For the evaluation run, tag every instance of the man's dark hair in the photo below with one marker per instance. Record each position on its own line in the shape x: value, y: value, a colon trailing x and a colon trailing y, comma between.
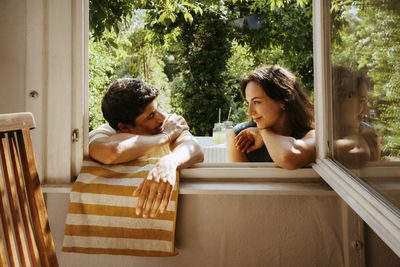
x: 125, y: 100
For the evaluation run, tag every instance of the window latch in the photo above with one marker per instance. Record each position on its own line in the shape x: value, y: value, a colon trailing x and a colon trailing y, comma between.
x: 75, y: 135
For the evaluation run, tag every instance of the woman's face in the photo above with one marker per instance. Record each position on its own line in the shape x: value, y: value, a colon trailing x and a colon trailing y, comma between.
x: 363, y: 109
x: 263, y: 110
x: 354, y: 107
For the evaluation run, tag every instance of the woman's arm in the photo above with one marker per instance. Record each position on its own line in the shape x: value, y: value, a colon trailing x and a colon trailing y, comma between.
x: 372, y: 138
x: 234, y: 153
x: 358, y: 147
x: 288, y: 152
x: 352, y: 151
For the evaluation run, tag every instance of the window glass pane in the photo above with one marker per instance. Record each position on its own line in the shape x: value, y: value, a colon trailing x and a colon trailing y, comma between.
x: 365, y: 68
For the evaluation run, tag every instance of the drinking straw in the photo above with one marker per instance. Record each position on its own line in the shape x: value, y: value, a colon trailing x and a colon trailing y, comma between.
x: 229, y: 113
x: 219, y: 115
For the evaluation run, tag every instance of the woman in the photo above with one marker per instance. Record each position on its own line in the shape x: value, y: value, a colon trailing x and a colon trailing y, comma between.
x: 356, y: 142
x: 281, y: 126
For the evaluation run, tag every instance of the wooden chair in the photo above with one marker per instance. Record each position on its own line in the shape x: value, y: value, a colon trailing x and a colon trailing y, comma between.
x: 25, y: 237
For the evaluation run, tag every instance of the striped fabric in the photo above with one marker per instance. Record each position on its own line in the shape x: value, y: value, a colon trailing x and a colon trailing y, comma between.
x: 102, y: 219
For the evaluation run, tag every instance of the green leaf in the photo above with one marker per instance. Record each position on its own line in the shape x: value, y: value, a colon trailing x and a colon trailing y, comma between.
x: 188, y: 17
x: 162, y: 17
x: 112, y: 43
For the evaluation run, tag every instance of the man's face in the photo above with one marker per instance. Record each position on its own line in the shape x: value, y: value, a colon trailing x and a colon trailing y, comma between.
x: 149, y: 122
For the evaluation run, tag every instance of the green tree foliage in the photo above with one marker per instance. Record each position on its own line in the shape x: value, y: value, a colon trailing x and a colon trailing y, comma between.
x: 209, y: 79
x: 238, y: 66
x: 114, y: 15
x: 128, y: 54
x: 205, y: 52
x: 208, y: 47
x: 106, y: 16
x: 369, y: 39
x: 282, y: 36
x: 102, y: 65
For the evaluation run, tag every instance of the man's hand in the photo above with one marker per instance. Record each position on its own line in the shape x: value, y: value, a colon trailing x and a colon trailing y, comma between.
x: 174, y: 125
x: 249, y: 140
x: 155, y: 191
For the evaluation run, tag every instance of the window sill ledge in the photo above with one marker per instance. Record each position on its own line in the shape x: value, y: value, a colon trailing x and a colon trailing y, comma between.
x: 238, y: 179
x: 230, y: 188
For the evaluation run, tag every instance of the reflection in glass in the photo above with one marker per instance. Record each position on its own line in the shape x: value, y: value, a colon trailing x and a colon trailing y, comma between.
x: 365, y: 68
x: 356, y: 141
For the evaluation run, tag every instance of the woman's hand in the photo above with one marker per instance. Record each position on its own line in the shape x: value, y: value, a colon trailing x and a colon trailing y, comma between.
x: 249, y: 140
x: 372, y: 138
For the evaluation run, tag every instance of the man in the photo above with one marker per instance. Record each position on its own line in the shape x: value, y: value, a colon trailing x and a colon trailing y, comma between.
x: 136, y: 128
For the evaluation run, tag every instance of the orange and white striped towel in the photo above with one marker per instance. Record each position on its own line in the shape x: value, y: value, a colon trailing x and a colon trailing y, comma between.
x: 101, y: 218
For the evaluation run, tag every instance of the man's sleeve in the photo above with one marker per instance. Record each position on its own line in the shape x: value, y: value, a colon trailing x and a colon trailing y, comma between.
x: 104, y: 130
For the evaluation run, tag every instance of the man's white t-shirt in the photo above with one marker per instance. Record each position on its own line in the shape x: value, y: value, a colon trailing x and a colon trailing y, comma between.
x: 106, y: 130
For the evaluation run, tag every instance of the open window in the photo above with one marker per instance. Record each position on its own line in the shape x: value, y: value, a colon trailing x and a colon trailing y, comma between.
x: 357, y: 80
x: 371, y: 188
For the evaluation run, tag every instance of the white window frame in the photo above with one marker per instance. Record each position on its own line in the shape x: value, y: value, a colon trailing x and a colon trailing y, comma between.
x: 376, y: 211
x: 56, y: 69
x: 226, y: 178
x: 80, y: 88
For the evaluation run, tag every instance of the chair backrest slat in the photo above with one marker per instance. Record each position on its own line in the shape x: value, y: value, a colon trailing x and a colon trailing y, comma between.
x: 36, y: 201
x: 25, y: 239
x: 19, y: 183
x: 5, y: 209
x: 13, y: 201
x: 3, y: 259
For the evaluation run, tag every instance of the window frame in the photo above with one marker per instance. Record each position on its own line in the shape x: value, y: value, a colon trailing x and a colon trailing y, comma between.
x: 80, y: 84
x: 375, y: 210
x: 382, y: 217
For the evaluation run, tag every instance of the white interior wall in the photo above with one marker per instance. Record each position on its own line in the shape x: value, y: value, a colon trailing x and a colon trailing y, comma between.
x: 43, y: 49
x: 245, y: 230
x: 12, y: 56
x: 236, y: 230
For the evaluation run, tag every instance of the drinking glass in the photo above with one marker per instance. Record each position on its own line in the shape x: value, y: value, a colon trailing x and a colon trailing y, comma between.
x: 219, y: 134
